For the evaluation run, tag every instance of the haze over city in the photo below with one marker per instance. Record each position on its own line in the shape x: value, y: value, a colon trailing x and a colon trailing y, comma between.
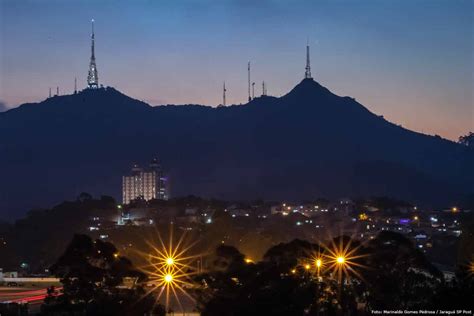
x: 413, y: 65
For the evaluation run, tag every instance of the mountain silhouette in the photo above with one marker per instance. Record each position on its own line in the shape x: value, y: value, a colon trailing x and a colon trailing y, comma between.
x: 306, y: 144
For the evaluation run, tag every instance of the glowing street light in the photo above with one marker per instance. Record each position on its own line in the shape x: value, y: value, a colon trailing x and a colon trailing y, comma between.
x: 319, y: 263
x: 170, y: 269
x: 168, y: 278
x: 342, y: 257
x: 169, y: 261
x: 307, y: 266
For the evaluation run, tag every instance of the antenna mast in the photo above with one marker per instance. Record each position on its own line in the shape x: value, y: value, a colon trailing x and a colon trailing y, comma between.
x: 223, y: 94
x: 307, y: 74
x: 249, y: 81
x: 75, y: 85
x: 92, y: 78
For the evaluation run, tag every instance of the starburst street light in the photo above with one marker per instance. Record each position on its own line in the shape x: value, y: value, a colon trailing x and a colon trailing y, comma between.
x: 168, y: 278
x: 170, y: 269
x: 318, y: 263
x: 169, y: 261
x: 341, y: 257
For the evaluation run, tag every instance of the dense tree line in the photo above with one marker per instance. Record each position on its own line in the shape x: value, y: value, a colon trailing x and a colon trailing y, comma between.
x: 40, y: 237
x: 388, y: 272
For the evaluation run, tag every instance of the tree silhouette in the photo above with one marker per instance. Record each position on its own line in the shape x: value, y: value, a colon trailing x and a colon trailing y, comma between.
x: 398, y: 275
x: 92, y: 274
x: 253, y: 289
x: 467, y: 140
x: 456, y: 293
x: 388, y: 272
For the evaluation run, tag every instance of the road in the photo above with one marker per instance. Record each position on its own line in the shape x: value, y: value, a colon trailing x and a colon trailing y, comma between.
x: 33, y: 295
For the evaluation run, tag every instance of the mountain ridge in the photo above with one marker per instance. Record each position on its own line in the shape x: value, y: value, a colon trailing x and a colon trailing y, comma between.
x: 307, y: 143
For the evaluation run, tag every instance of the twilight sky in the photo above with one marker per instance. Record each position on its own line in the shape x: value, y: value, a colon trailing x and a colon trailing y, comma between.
x: 409, y: 60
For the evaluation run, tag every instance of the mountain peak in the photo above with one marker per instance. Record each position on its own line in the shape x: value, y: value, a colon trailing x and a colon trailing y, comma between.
x: 308, y: 87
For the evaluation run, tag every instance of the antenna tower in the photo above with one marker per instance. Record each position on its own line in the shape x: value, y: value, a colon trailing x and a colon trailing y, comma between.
x: 224, y: 90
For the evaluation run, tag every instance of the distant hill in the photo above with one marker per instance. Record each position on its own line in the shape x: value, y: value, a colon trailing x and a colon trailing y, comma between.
x: 309, y: 143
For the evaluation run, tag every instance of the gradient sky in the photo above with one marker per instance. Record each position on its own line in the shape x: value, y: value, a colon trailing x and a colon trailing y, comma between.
x: 411, y: 61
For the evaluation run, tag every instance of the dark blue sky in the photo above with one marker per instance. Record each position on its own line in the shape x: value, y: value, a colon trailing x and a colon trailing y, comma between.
x: 411, y: 61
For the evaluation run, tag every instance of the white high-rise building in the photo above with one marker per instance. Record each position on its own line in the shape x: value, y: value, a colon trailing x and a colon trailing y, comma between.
x: 146, y: 184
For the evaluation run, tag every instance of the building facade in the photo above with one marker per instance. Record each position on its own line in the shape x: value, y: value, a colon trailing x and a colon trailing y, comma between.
x: 146, y: 184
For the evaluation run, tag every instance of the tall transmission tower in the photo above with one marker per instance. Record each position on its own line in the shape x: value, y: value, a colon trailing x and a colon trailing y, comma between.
x: 307, y: 74
x: 75, y: 85
x: 224, y: 90
x: 250, y: 99
x: 264, y: 88
x: 92, y: 78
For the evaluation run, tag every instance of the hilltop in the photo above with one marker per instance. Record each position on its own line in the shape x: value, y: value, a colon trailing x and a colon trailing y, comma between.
x: 308, y: 143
